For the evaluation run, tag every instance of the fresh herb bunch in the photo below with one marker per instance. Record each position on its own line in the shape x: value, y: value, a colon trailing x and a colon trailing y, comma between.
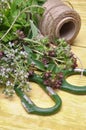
x: 13, y: 67
x: 16, y: 14
x: 24, y: 50
x: 15, y: 24
x: 51, y: 59
x: 51, y: 56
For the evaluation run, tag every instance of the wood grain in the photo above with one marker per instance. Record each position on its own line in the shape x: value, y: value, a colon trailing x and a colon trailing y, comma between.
x: 80, y: 7
x: 72, y: 115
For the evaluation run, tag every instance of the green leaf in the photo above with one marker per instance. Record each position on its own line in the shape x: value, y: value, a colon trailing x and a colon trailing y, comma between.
x: 41, y: 2
x: 10, y: 36
x: 15, y: 3
x: 6, y: 22
x: 34, y: 29
x: 29, y: 60
x: 39, y: 65
x: 27, y: 49
x: 53, y: 67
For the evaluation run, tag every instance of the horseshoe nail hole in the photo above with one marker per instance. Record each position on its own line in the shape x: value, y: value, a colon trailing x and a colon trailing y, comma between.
x: 67, y: 30
x: 77, y: 80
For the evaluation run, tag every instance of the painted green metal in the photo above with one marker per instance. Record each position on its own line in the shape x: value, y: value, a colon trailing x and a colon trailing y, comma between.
x: 30, y: 107
x: 79, y: 90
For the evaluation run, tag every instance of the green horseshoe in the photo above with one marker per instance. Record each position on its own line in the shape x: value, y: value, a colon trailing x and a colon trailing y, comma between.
x: 72, y: 88
x: 30, y: 107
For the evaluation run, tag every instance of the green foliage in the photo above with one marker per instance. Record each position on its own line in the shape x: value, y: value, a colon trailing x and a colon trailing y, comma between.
x: 16, y: 15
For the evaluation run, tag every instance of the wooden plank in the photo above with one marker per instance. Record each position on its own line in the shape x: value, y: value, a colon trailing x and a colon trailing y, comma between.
x: 72, y: 115
x: 80, y: 7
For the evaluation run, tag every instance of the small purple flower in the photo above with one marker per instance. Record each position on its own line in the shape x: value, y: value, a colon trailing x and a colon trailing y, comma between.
x: 1, y: 54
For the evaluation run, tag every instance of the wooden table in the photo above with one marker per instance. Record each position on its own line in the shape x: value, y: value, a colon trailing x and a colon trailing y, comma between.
x: 72, y: 115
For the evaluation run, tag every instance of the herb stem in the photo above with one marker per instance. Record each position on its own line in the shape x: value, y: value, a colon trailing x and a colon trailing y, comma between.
x: 31, y: 40
x: 5, y: 47
x: 10, y: 27
x: 38, y: 52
